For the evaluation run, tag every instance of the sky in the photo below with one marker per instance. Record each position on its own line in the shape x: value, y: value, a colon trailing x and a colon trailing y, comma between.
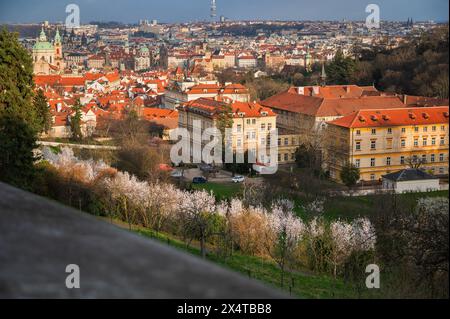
x: 131, y: 11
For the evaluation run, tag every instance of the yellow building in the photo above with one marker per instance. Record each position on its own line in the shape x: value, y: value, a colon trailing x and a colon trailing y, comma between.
x: 382, y: 141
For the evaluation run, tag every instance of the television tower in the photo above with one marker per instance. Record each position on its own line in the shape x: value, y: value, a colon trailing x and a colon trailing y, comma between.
x: 213, y: 9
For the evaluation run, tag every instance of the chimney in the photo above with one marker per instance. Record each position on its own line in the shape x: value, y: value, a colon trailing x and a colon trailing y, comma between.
x: 347, y: 89
x: 301, y: 90
x: 316, y: 90
x: 405, y: 98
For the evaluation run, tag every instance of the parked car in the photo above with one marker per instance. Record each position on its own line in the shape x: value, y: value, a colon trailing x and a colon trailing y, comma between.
x: 177, y: 174
x: 207, y: 168
x: 238, y: 179
x: 199, y: 180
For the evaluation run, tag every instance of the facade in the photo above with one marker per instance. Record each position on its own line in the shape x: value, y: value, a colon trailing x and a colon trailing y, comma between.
x: 303, y: 112
x: 382, y: 141
x: 142, y: 61
x: 47, y: 57
x: 252, y: 123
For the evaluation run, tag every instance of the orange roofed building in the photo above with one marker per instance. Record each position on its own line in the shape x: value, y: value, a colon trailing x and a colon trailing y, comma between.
x: 382, y: 141
x: 303, y: 112
x: 251, y: 125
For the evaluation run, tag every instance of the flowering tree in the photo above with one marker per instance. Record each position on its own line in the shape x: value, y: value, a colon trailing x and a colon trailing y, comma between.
x: 284, y: 232
x: 198, y: 217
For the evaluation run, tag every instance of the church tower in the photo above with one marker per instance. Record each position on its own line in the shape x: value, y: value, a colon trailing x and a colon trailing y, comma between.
x: 59, y: 58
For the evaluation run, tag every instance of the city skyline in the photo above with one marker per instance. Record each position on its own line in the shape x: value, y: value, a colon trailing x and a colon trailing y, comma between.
x: 173, y: 11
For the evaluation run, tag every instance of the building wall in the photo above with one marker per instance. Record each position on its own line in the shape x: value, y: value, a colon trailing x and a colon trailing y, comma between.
x: 387, y: 150
x: 248, y: 133
x: 412, y: 186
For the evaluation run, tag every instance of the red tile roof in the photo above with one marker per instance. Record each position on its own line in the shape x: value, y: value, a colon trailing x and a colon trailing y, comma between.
x: 394, y: 117
x: 330, y: 101
x: 210, y: 107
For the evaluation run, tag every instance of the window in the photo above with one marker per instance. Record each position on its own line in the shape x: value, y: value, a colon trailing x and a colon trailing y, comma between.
x: 416, y: 129
x: 425, y: 128
x: 286, y: 157
x: 416, y: 142
x: 374, y: 131
x: 403, y: 142
x: 372, y: 177
x: 248, y: 121
x: 389, y: 130
x: 424, y: 158
x: 432, y: 158
x: 424, y: 141
x: 269, y: 126
x: 441, y: 170
x: 358, y: 163
x: 441, y: 157
x: 279, y: 157
x: 286, y: 141
x: 263, y: 127
x: 402, y: 160
x: 372, y: 162
x: 293, y: 156
x: 253, y: 134
x: 239, y: 128
x: 388, y: 161
x: 279, y: 142
x: 389, y: 143
x: 443, y: 128
x: 433, y: 141
x: 442, y: 142
x: 433, y: 128
x: 358, y: 132
x: 358, y: 145
x: 239, y: 142
x: 263, y: 141
x: 373, y: 145
x: 253, y: 121
x: 403, y: 129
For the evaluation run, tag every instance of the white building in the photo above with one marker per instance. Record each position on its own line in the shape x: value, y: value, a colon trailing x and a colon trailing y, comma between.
x: 410, y: 180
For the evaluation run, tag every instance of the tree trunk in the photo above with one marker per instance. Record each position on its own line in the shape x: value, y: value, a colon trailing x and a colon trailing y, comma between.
x: 202, y: 247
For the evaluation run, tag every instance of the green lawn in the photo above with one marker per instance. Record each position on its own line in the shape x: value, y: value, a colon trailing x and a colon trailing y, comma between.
x: 348, y: 208
x: 221, y: 191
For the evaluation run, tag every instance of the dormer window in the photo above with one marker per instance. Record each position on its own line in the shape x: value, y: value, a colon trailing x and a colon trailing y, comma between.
x: 264, y: 113
x: 241, y: 114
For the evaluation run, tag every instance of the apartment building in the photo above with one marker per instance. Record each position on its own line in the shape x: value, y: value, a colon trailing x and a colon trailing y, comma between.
x: 177, y: 94
x: 252, y: 122
x: 303, y: 112
x: 382, y: 141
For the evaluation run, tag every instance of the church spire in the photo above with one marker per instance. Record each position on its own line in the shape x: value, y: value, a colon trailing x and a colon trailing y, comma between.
x: 42, y: 36
x: 323, y: 75
x: 57, y: 36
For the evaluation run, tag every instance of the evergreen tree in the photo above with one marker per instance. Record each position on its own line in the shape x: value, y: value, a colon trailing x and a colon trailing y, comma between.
x: 350, y: 175
x: 43, y: 111
x: 19, y: 122
x: 341, y: 69
x: 17, y: 142
x: 16, y: 80
x: 75, y: 122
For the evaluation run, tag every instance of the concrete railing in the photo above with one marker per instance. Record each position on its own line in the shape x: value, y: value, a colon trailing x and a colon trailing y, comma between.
x: 85, y: 146
x: 40, y: 238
